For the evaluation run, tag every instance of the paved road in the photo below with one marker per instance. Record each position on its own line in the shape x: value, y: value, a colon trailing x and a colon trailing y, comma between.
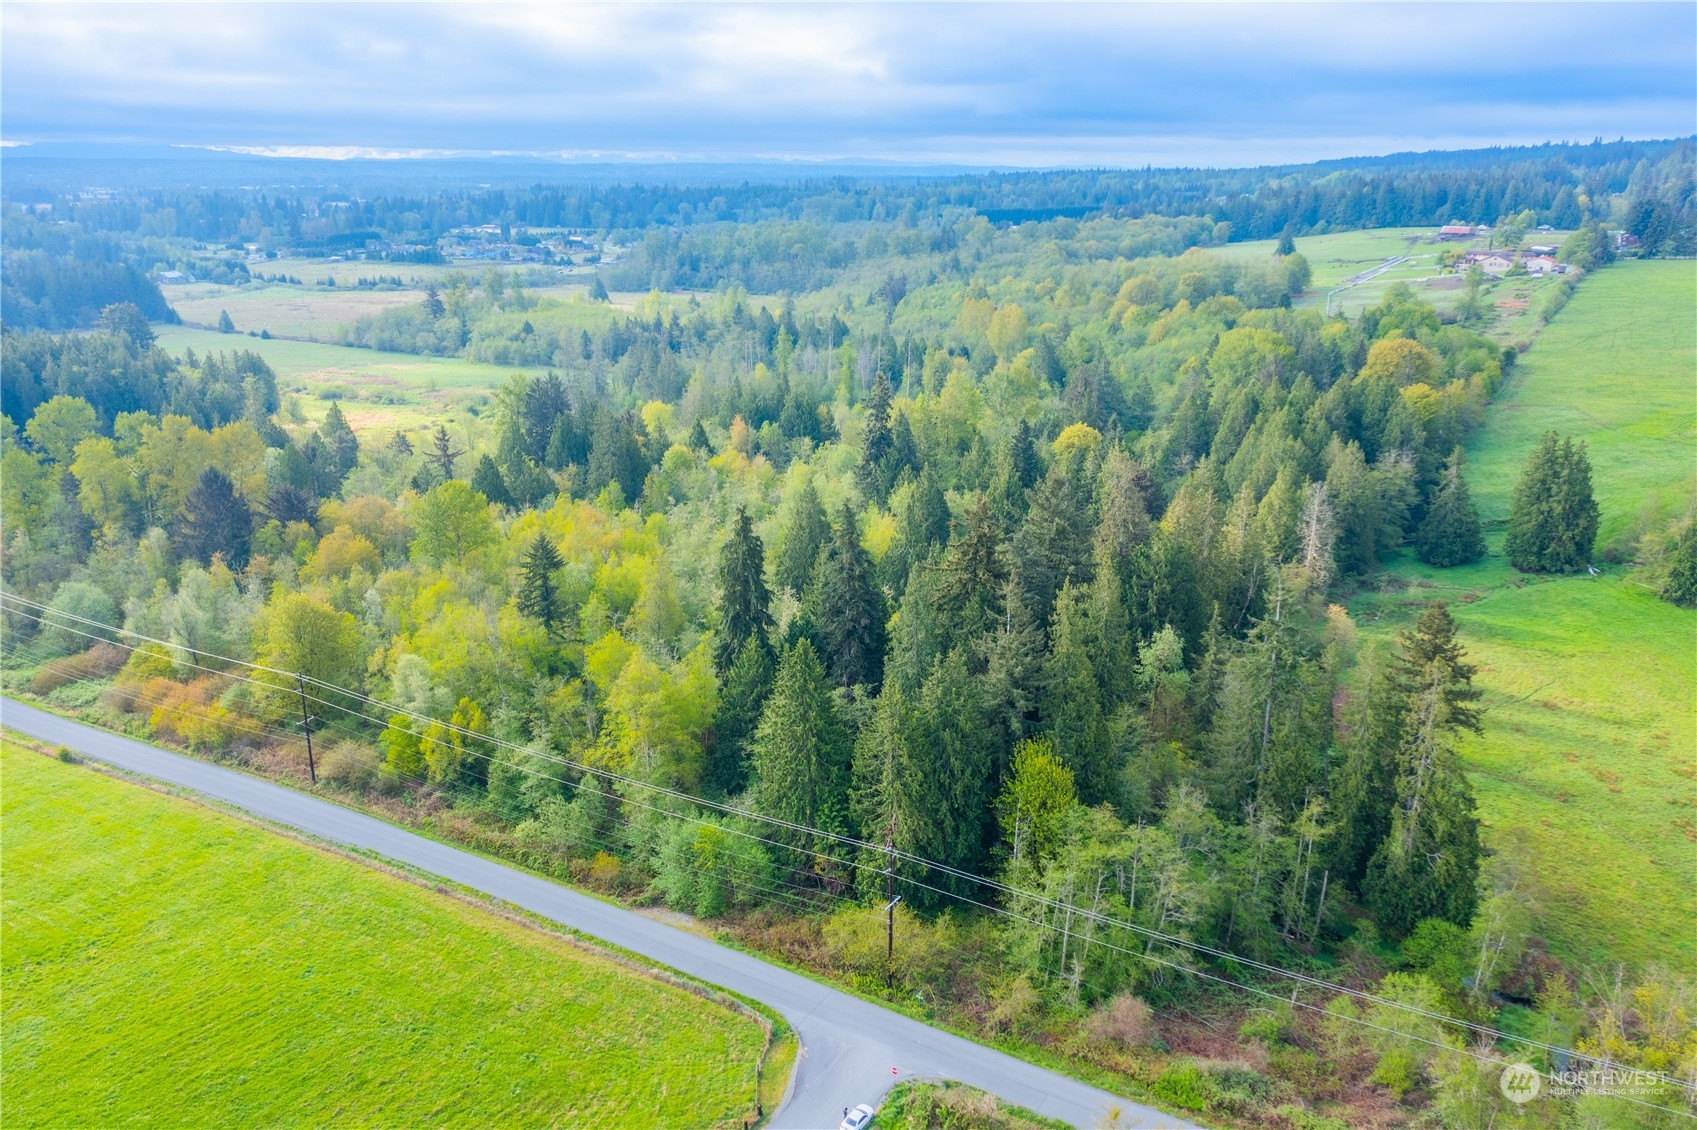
x: 848, y: 1045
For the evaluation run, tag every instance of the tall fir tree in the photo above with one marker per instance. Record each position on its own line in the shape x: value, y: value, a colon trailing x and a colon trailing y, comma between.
x: 800, y: 751
x: 805, y: 532
x: 539, y: 595
x: 924, y: 524
x: 215, y: 520
x: 1071, y: 703
x: 1432, y: 640
x: 486, y: 480
x: 969, y: 594
x: 615, y: 456
x: 1428, y: 864
x: 340, y: 439
x: 849, y: 612
x: 1450, y: 534
x: 744, y: 603
x: 442, y: 453
x: 742, y: 697
x: 879, y: 440
x: 1051, y: 547
x: 1552, y: 527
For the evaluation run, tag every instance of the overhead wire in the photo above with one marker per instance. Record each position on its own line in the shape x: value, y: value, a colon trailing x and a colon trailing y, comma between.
x: 881, y: 850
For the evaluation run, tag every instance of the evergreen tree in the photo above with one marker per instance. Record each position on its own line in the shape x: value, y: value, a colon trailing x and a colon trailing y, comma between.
x: 1450, y: 533
x: 952, y: 781
x: 225, y: 325
x: 486, y: 480
x: 849, y: 609
x: 1363, y: 792
x: 399, y: 444
x: 1553, y: 525
x: 744, y: 604
x: 442, y: 453
x: 340, y: 439
x: 969, y: 595
x: 215, y: 519
x: 801, y: 751
x: 615, y: 456
x: 806, y: 530
x: 1051, y: 548
x: 924, y: 525
x: 698, y: 441
x: 1071, y: 705
x: 878, y: 441
x: 1679, y: 582
x: 433, y: 302
x: 539, y: 597
x: 1428, y: 865
x: 916, y: 636
x: 1432, y: 640
x: 742, y: 696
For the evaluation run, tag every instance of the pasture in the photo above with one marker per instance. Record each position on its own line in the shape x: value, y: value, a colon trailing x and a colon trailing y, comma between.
x: 379, y: 392
x: 168, y: 965
x: 1587, y: 768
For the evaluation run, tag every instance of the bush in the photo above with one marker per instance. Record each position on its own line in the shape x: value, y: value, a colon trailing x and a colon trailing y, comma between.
x: 354, y: 764
x: 97, y: 662
x: 1183, y: 1085
x: 76, y: 602
x: 1123, y: 1020
x: 68, y: 755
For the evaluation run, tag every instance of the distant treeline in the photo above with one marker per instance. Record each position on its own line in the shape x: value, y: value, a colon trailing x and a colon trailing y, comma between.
x: 1480, y: 186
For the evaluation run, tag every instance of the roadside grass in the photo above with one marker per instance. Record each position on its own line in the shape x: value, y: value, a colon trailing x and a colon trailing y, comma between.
x: 164, y: 964
x: 1588, y: 763
x: 922, y: 1105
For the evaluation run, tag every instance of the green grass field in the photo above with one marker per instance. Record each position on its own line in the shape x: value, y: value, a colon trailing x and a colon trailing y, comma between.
x: 1589, y: 757
x: 167, y: 965
x: 289, y: 311
x: 379, y: 392
x: 1339, y: 256
x: 1618, y: 369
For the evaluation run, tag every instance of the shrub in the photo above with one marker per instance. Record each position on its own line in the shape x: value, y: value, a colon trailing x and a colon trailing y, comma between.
x: 68, y: 755
x: 351, y: 763
x: 1183, y: 1085
x: 64, y: 634
x: 97, y: 662
x: 1123, y: 1020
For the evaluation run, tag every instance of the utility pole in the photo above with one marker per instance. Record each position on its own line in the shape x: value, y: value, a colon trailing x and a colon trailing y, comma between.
x: 890, y: 907
x: 306, y: 725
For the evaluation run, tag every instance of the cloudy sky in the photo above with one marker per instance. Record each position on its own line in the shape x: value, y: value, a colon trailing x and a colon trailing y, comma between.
x: 999, y: 84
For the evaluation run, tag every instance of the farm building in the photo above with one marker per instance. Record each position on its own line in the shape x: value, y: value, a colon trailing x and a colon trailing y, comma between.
x: 1456, y: 231
x: 1491, y: 262
x: 1542, y: 265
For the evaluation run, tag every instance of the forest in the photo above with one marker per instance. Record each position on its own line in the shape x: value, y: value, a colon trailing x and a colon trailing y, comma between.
x: 1008, y: 577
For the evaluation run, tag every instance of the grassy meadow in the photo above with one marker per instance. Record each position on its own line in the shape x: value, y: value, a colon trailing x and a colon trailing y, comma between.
x: 1587, y: 768
x: 1337, y: 257
x: 167, y: 965
x: 286, y: 311
x: 379, y: 392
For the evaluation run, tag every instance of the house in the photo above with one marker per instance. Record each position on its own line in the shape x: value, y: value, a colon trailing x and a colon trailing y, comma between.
x: 1541, y: 265
x: 1625, y: 241
x: 1456, y: 231
x: 1549, y: 249
x: 1491, y: 262
x: 173, y: 278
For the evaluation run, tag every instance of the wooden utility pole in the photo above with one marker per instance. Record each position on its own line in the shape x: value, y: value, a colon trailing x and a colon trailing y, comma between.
x: 306, y: 726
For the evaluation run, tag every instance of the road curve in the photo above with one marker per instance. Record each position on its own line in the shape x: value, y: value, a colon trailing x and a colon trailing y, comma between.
x: 848, y: 1045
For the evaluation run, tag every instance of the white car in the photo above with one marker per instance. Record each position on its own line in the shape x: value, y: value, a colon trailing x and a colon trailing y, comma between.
x: 858, y: 1118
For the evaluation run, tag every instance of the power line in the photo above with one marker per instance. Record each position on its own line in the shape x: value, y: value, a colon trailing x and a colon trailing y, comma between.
x: 852, y: 842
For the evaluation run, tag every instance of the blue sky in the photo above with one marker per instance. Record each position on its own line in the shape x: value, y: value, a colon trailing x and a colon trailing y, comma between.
x: 1005, y: 85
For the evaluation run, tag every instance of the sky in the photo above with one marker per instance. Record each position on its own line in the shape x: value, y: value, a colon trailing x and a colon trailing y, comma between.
x: 1000, y: 85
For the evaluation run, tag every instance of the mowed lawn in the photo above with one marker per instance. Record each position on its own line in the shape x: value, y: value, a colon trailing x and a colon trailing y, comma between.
x: 167, y: 965
x: 1588, y: 762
